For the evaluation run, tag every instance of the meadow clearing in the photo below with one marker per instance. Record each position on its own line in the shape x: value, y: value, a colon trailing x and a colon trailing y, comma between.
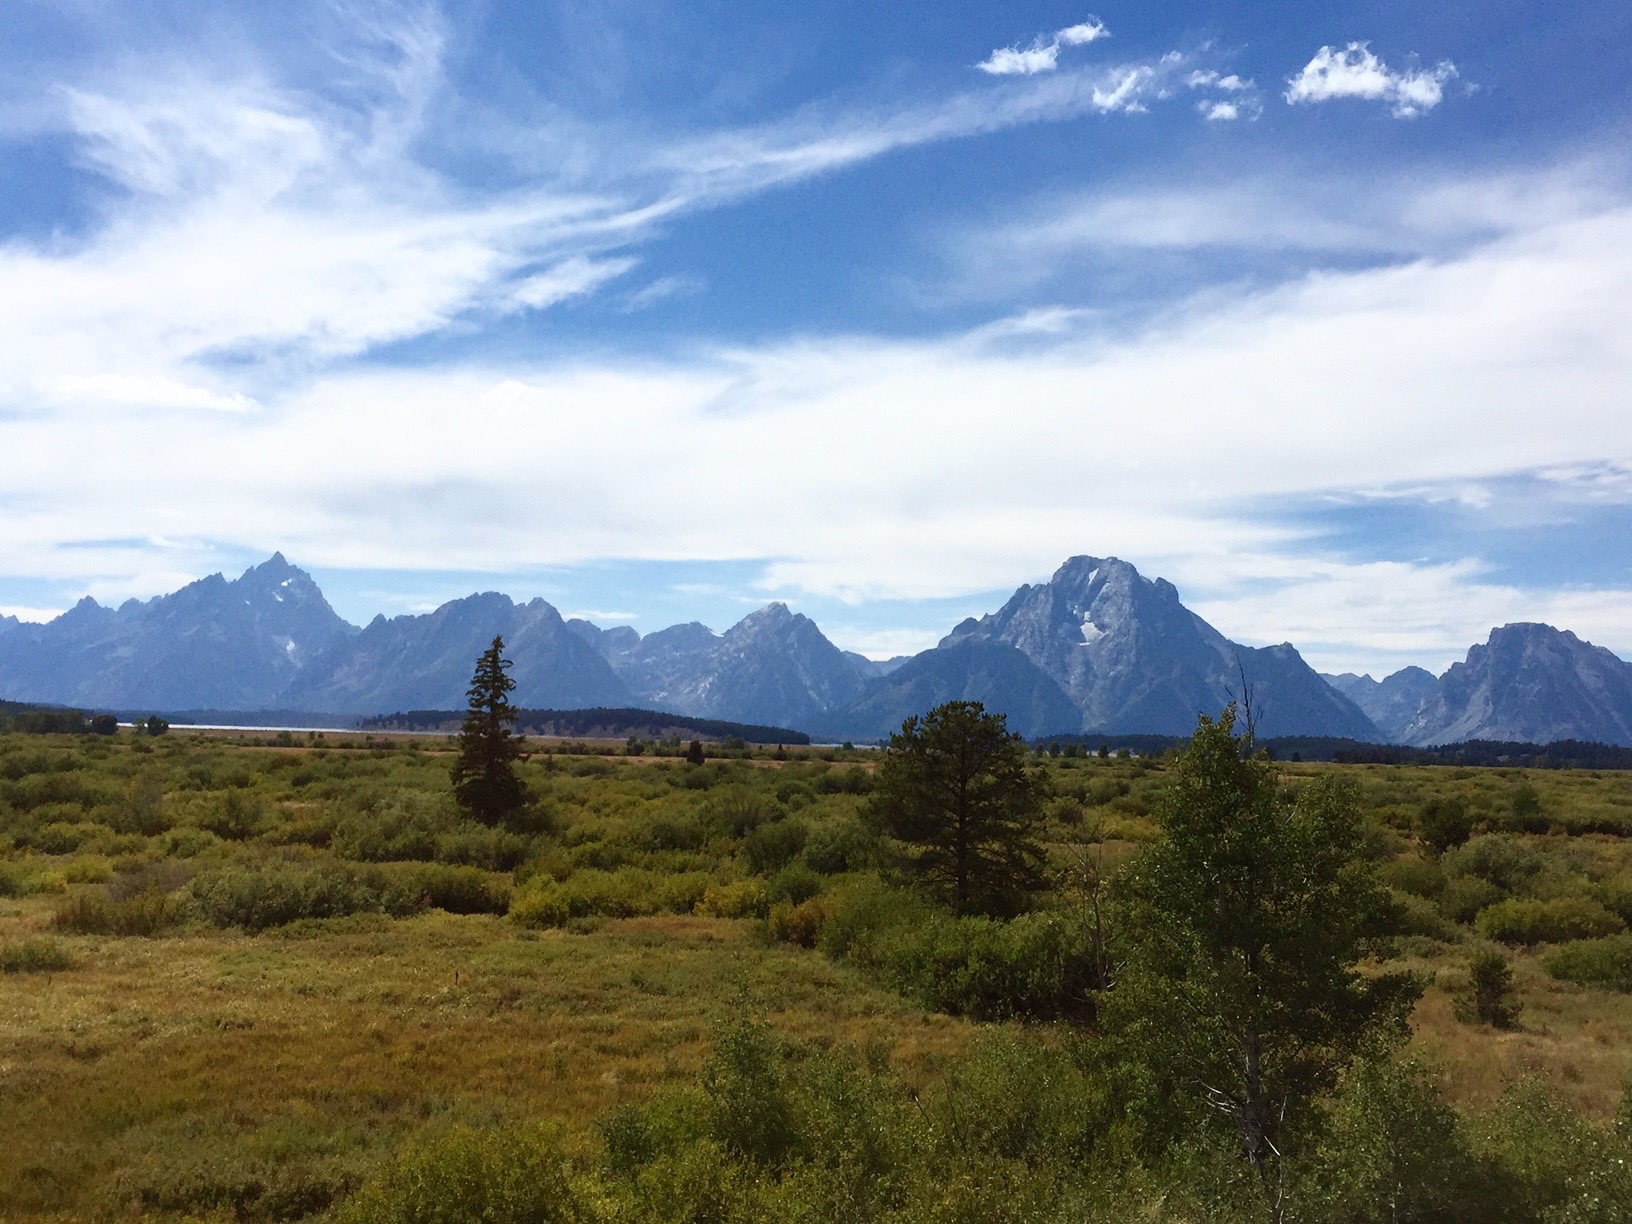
x: 243, y: 973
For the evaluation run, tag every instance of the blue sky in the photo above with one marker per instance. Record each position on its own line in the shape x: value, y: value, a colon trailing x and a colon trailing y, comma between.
x: 663, y: 311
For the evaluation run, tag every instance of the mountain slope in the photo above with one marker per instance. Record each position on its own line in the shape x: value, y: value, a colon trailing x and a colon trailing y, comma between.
x: 230, y: 645
x: 1135, y: 659
x: 1533, y: 683
x: 1391, y: 702
x: 998, y: 676
x: 773, y: 666
x: 425, y: 662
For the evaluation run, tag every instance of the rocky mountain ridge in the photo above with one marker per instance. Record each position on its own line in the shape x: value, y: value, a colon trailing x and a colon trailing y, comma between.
x: 1097, y: 649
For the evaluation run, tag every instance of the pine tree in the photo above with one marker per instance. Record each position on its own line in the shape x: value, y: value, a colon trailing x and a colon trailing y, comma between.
x: 954, y: 793
x: 484, y: 775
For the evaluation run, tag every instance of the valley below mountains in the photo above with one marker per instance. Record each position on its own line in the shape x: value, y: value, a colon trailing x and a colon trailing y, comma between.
x: 1098, y: 649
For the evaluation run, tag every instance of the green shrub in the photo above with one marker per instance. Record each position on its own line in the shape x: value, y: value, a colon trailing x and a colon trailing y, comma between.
x: 458, y: 890
x: 1527, y: 921
x: 1415, y: 875
x: 798, y: 924
x: 95, y: 912
x: 466, y: 1176
x: 1546, y: 1162
x: 665, y: 834
x: 1444, y: 823
x: 1615, y: 895
x: 1501, y: 860
x: 839, y: 846
x: 1042, y: 966
x: 772, y: 846
x: 1464, y: 896
x: 235, y: 816
x: 1393, y: 1150
x: 625, y: 893
x: 1524, y: 814
x: 37, y: 955
x: 194, y: 1184
x: 795, y: 883
x: 741, y: 899
x: 63, y: 837
x: 11, y: 881
x: 1605, y: 963
x: 539, y: 907
x: 259, y: 898
x: 1415, y: 915
x: 474, y: 845
x: 751, y: 1112
x: 737, y: 812
x: 187, y: 842
x: 863, y: 915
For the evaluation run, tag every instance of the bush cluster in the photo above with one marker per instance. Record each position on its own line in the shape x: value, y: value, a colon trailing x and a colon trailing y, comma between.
x: 1532, y: 921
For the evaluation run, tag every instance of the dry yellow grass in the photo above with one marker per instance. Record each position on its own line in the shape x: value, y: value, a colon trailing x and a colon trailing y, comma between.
x: 225, y: 1046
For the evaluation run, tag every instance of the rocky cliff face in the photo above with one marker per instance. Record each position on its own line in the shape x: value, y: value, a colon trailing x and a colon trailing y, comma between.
x: 215, y: 643
x: 1533, y: 683
x: 1132, y: 657
x: 1391, y: 702
x: 424, y: 662
x: 998, y: 676
x: 1097, y: 648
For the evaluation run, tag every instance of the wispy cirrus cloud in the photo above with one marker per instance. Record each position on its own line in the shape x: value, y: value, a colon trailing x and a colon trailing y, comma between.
x: 1042, y: 54
x: 1355, y: 72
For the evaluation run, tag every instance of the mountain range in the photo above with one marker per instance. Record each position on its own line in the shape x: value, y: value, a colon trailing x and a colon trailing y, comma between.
x: 1098, y: 649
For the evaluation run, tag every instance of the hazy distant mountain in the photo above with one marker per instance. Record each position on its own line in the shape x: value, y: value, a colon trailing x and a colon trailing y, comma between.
x: 997, y: 675
x: 230, y: 645
x: 1133, y: 658
x: 1391, y: 702
x: 773, y: 666
x: 1529, y: 682
x: 424, y: 662
x: 1097, y: 648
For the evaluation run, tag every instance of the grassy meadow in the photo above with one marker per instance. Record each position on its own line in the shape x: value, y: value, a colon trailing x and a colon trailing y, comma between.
x: 250, y: 977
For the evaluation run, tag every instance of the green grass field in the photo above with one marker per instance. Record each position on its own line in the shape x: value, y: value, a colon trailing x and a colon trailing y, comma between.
x: 233, y: 986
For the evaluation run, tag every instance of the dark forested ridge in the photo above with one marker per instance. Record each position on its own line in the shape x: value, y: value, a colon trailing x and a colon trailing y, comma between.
x: 598, y: 723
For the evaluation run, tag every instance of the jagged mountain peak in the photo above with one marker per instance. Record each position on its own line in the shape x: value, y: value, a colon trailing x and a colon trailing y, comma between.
x: 1132, y: 657
x: 1531, y: 682
x: 775, y: 615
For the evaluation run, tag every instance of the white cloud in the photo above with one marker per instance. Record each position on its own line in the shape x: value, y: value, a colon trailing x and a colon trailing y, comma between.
x: 135, y: 391
x: 1380, y: 616
x: 888, y: 474
x: 1314, y: 214
x: 1233, y: 98
x: 1355, y: 72
x: 1042, y: 55
x: 661, y: 289
x: 35, y: 615
x: 571, y: 278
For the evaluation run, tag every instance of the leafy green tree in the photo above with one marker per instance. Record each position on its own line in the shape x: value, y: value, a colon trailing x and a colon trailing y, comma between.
x: 954, y: 793
x: 484, y: 773
x: 1248, y: 916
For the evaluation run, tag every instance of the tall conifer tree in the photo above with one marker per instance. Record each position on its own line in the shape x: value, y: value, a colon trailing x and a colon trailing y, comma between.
x: 484, y: 774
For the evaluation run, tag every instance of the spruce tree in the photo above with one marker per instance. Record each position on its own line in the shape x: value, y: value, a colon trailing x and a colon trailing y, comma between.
x: 954, y: 794
x: 484, y: 774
